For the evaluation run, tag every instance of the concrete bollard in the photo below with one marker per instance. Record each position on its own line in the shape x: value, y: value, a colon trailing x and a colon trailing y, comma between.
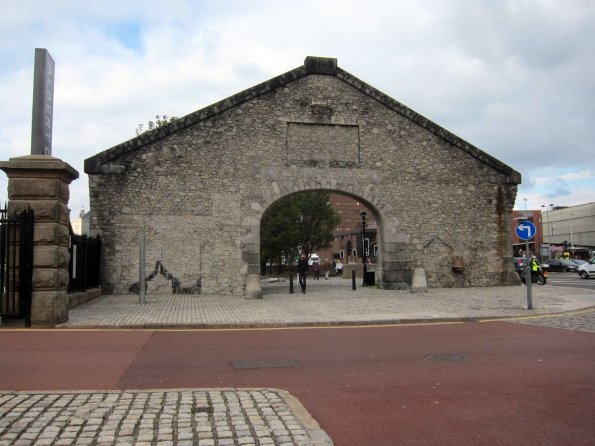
x: 419, y: 284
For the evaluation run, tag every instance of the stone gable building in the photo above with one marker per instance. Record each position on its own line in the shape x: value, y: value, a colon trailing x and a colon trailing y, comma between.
x: 198, y: 187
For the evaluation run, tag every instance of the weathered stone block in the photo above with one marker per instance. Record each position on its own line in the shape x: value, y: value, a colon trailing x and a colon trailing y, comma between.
x: 50, y: 279
x: 34, y: 188
x: 51, y: 233
x: 51, y: 257
x: 49, y: 211
x: 49, y: 308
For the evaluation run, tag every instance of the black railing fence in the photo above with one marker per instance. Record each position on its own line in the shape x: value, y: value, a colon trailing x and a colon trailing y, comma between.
x: 16, y: 265
x: 85, y: 256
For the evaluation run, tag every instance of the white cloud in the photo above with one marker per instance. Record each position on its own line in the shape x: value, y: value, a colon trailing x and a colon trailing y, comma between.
x: 514, y: 78
x: 572, y: 176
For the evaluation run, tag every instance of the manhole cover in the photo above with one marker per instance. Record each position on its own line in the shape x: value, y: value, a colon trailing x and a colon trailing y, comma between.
x: 263, y: 363
x: 444, y: 357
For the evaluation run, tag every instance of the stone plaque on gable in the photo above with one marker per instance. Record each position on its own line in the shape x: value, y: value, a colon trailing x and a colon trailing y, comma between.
x: 322, y: 142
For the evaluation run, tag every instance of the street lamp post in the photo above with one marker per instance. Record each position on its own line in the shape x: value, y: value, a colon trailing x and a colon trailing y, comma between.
x: 549, y: 231
x: 363, y: 214
x: 571, y: 240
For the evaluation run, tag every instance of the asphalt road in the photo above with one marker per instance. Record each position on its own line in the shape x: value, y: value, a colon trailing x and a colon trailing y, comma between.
x: 570, y: 280
x: 497, y: 383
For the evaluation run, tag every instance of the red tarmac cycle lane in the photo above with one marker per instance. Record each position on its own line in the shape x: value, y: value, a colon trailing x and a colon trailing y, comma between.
x: 503, y: 383
x: 67, y: 360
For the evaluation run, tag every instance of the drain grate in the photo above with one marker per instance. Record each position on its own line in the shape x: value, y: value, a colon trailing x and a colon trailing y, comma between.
x: 263, y: 363
x: 444, y: 357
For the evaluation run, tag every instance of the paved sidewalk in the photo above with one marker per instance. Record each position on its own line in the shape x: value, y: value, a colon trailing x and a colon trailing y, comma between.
x: 327, y: 302
x: 203, y: 417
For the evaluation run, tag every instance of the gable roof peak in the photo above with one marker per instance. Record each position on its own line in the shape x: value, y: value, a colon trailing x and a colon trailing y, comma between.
x: 320, y: 65
x: 104, y: 162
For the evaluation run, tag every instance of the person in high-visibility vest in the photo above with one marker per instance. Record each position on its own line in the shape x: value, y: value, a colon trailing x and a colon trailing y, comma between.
x: 534, y: 264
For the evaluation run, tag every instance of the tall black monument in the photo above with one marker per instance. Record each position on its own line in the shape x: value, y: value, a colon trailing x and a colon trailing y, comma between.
x: 43, y: 103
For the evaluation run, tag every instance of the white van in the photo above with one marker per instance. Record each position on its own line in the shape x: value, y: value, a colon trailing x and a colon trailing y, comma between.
x: 314, y: 258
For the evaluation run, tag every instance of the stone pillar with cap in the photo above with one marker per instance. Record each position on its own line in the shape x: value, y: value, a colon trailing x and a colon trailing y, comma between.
x: 42, y: 183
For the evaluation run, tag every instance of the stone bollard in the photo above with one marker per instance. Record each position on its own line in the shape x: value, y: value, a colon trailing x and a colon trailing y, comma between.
x: 253, y: 288
x: 419, y: 284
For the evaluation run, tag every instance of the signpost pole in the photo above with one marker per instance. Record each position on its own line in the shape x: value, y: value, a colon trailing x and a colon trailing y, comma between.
x: 528, y: 281
x: 526, y: 231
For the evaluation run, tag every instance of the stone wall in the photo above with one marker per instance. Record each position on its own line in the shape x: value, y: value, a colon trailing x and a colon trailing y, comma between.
x: 199, y: 188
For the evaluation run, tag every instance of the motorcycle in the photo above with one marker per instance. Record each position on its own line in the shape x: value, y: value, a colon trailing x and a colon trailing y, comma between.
x: 539, y: 277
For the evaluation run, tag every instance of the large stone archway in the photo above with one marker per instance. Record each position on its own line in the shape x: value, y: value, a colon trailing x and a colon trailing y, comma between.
x: 198, y: 187
x: 395, y: 278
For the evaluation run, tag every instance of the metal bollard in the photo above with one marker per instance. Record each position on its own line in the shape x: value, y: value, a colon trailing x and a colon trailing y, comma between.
x: 290, y: 283
x: 353, y: 279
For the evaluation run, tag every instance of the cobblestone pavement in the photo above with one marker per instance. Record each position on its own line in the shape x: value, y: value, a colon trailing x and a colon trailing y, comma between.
x: 579, y: 321
x: 220, y: 417
x: 326, y: 303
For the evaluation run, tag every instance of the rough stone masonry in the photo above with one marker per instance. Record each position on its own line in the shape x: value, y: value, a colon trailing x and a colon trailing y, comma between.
x: 199, y: 186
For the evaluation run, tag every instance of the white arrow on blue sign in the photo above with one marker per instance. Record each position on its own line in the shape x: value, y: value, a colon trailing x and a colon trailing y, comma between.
x: 526, y: 230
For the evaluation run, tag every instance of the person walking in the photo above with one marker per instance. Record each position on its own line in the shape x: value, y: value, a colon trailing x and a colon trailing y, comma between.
x: 339, y: 268
x: 316, y: 269
x: 326, y: 267
x: 302, y: 268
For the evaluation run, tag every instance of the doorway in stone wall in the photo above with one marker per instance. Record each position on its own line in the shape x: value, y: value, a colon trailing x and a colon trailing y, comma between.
x: 336, y: 230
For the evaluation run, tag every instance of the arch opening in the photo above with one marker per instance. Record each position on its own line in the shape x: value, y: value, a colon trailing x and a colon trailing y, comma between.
x: 351, y: 240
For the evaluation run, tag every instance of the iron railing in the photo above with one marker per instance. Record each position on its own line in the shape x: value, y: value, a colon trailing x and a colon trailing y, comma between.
x: 85, y: 256
x: 16, y: 265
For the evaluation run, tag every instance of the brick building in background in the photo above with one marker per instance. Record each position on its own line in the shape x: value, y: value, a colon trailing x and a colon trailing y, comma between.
x: 561, y: 231
x: 347, y: 245
x: 520, y: 246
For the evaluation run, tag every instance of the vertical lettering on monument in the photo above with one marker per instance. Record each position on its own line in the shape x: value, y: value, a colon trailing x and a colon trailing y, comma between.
x: 43, y: 103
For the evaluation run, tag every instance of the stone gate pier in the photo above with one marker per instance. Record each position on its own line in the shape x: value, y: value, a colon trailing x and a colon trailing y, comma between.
x: 42, y: 183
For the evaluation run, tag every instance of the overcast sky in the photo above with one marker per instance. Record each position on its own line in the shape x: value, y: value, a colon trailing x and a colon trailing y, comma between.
x: 514, y: 78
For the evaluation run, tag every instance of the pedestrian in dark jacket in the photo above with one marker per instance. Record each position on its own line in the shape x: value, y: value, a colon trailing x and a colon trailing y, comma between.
x: 302, y: 268
x: 316, y: 269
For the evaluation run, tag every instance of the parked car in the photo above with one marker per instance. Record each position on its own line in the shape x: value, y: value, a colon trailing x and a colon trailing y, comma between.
x: 561, y: 265
x: 579, y: 262
x: 586, y: 271
x: 314, y: 258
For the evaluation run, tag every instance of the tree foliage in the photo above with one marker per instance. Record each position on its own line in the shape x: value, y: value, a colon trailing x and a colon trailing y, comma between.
x: 299, y: 222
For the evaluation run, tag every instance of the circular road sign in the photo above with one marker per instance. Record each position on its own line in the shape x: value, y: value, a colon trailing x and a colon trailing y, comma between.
x: 526, y: 230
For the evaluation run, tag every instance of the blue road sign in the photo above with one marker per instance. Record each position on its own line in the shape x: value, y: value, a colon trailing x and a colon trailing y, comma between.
x: 526, y: 230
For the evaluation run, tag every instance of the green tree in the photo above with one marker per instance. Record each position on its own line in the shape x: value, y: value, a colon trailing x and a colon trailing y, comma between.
x: 302, y: 221
x: 316, y: 221
x: 279, y: 234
